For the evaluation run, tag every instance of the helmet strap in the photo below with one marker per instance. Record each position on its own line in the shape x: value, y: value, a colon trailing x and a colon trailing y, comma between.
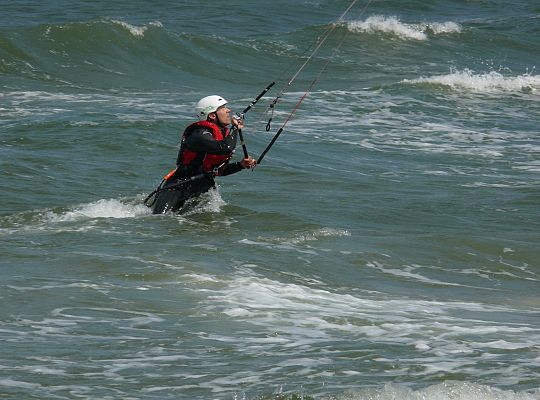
x: 218, y: 121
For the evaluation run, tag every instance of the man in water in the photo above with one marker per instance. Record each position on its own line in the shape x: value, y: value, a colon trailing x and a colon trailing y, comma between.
x: 206, y: 149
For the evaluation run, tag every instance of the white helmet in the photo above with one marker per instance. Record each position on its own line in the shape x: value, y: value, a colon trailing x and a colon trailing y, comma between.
x: 207, y: 105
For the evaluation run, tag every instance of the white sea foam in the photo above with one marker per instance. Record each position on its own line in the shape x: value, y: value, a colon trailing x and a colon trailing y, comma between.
x: 443, y: 391
x: 18, y: 384
x: 409, y: 274
x: 101, y: 314
x: 84, y: 285
x: 298, y: 242
x: 260, y: 295
x: 137, y: 31
x: 210, y: 201
x: 532, y: 165
x: 128, y: 107
x: 430, y: 130
x: 319, y: 233
x: 47, y: 220
x: 489, y: 82
x: 303, y: 317
x: 444, y: 27
x: 392, y: 25
x: 110, y: 208
x: 55, y: 221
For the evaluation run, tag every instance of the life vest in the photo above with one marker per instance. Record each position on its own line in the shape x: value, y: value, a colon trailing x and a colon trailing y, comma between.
x: 195, y: 158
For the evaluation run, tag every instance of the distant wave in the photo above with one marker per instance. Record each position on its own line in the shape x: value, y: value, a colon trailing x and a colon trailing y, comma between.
x: 92, y: 30
x: 392, y: 25
x: 66, y: 52
x: 105, y: 53
x: 491, y: 82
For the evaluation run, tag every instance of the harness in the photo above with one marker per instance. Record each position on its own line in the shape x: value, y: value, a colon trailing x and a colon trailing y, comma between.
x: 208, y: 165
x: 211, y: 163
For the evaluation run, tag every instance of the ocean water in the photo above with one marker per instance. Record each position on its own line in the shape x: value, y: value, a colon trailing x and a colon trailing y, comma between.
x: 386, y: 248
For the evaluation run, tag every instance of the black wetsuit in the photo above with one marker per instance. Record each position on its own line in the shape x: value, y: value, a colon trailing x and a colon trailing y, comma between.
x: 201, y: 141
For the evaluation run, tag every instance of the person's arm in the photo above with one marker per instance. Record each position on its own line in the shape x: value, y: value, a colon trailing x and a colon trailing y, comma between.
x: 232, y: 168
x: 202, y: 140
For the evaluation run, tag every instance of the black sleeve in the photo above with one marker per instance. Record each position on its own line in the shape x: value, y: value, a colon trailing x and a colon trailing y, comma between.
x: 232, y: 168
x: 202, y: 140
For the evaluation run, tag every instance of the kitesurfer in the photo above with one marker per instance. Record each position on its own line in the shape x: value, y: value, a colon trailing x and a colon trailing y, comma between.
x: 205, y: 152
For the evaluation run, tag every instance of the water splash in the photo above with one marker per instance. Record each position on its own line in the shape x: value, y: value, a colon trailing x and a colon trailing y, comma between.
x: 105, y: 208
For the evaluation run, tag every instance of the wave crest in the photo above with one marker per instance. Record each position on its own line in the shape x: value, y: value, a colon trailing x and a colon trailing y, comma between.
x: 491, y: 82
x: 392, y: 25
x: 137, y: 31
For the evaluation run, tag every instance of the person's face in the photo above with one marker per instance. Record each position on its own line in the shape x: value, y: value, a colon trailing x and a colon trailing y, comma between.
x: 224, y: 114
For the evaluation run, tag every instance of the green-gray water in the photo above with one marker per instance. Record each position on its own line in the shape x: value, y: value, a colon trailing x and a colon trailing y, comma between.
x: 386, y: 248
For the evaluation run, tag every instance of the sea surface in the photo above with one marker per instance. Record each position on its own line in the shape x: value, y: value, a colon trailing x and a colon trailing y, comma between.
x: 387, y: 247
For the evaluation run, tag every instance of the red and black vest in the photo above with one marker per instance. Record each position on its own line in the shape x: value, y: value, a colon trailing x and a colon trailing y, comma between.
x: 196, y: 159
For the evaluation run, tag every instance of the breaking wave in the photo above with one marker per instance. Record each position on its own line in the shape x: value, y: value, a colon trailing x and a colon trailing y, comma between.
x: 137, y: 31
x: 392, y: 25
x: 490, y: 82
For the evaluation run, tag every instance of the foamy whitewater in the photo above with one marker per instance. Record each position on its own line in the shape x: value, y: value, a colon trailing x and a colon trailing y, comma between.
x: 386, y: 247
x: 137, y: 31
x: 392, y: 25
x: 492, y: 82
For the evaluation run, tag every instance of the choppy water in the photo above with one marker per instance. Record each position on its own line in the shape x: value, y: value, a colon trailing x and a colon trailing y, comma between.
x: 387, y: 247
